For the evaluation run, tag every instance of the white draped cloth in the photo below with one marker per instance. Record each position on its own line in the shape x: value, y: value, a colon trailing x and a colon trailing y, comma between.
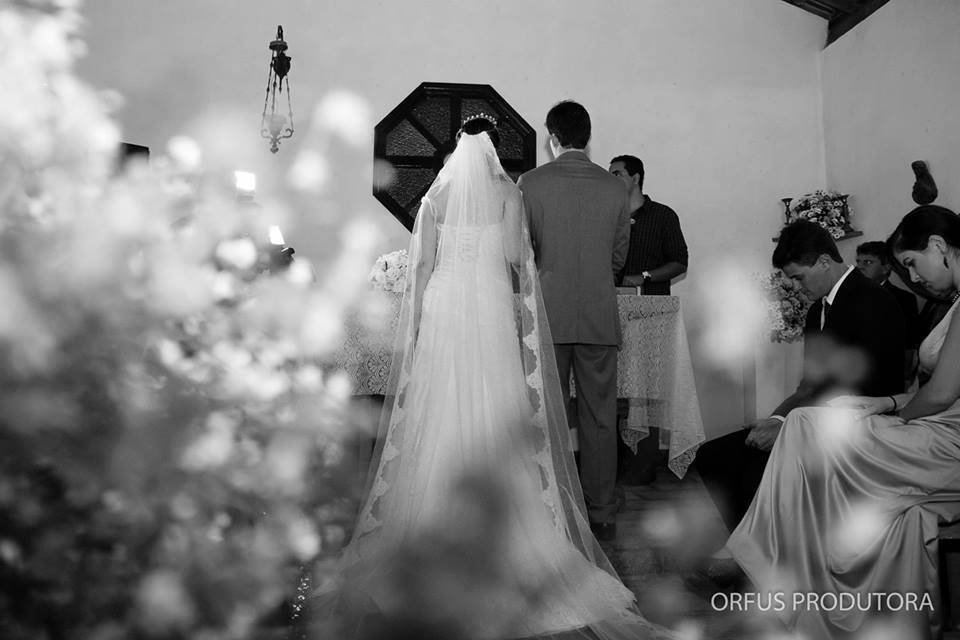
x: 853, y: 507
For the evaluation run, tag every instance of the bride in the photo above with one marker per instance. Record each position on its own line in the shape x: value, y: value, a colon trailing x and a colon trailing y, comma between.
x: 851, y: 500
x: 474, y: 521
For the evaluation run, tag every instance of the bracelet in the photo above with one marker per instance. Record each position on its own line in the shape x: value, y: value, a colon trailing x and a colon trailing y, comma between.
x: 894, y: 410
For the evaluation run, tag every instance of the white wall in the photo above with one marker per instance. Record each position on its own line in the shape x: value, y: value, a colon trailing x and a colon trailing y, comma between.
x: 890, y: 92
x: 720, y: 99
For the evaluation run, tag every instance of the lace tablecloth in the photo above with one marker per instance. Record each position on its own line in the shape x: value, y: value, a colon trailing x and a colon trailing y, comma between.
x: 655, y: 375
x: 654, y: 371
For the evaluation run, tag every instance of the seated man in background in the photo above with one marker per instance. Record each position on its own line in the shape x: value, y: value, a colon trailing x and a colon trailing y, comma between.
x: 854, y: 340
x: 875, y: 263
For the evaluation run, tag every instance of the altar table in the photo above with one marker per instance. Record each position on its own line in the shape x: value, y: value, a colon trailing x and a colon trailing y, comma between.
x: 654, y: 372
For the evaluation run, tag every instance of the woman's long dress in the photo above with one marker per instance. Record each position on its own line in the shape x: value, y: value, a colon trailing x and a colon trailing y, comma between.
x: 853, y: 507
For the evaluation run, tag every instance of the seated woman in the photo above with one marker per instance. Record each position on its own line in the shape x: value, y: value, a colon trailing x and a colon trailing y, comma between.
x: 844, y: 525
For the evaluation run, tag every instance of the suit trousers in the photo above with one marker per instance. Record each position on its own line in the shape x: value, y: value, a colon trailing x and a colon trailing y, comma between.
x: 731, y: 471
x: 594, y: 369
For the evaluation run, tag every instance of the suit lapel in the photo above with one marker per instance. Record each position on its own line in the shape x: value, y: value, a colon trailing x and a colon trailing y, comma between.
x: 846, y: 295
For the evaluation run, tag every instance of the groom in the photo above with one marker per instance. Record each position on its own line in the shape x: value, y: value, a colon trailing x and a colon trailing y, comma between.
x: 579, y: 219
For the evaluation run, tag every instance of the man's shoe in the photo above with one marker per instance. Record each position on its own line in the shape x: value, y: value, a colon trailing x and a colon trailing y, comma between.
x: 604, y: 531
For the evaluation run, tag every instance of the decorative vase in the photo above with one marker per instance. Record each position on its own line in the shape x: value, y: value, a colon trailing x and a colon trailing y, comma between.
x: 845, y: 208
x: 786, y: 209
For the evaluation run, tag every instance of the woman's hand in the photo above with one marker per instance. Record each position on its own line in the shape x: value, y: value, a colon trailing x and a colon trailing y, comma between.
x: 863, y: 405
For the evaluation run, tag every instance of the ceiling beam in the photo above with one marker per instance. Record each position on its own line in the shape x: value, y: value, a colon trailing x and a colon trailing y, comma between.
x: 844, y: 6
x: 842, y: 24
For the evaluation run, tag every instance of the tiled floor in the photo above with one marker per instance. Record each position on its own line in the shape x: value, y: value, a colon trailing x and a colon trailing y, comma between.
x: 663, y: 530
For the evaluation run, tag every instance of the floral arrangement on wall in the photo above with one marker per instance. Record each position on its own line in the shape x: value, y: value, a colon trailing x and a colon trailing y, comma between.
x: 829, y: 209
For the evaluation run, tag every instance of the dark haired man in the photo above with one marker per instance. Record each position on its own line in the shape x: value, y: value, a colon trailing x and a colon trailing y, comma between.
x: 580, y: 227
x: 658, y: 252
x: 854, y: 341
x: 875, y: 262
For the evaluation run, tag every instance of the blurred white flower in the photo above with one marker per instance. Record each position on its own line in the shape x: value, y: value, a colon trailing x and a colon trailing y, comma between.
x: 231, y: 356
x: 300, y: 272
x: 49, y: 36
x: 838, y: 428
x: 333, y: 454
x: 177, y: 287
x: 322, y: 326
x: 113, y: 500
x: 185, y: 152
x: 285, y: 462
x: 256, y: 382
x: 302, y: 538
x: 309, y: 379
x: 22, y: 329
x: 163, y: 602
x: 347, y: 115
x: 240, y: 253
x: 334, y: 535
x: 663, y: 525
x: 383, y: 174
x: 224, y: 286
x: 250, y: 451
x: 215, y: 444
x: 736, y: 316
x: 862, y: 528
x: 171, y: 354
x: 310, y: 171
x: 10, y: 552
x: 689, y: 630
x: 267, y: 385
x: 271, y: 357
x: 339, y: 386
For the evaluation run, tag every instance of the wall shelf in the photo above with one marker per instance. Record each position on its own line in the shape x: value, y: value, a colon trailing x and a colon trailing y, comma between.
x: 846, y: 236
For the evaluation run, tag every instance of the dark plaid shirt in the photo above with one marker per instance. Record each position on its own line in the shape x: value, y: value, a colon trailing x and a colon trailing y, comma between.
x: 655, y: 239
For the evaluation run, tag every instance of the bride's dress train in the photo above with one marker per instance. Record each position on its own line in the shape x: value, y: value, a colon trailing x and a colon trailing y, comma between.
x: 473, y: 458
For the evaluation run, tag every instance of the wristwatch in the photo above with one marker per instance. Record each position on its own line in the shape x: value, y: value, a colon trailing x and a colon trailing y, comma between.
x: 646, y: 276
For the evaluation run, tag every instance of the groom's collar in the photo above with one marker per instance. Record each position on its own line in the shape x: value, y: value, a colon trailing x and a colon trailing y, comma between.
x: 572, y: 154
x: 836, y: 287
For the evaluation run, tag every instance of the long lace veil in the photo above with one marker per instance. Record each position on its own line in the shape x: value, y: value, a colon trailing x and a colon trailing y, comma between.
x: 472, y: 198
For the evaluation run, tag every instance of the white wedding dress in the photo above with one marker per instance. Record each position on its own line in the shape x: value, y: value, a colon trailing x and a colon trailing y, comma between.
x: 474, y: 517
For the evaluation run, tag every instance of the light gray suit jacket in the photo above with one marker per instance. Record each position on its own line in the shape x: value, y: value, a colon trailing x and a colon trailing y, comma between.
x: 579, y: 221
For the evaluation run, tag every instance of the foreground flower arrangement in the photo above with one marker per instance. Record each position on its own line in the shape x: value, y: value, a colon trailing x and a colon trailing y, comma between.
x: 171, y: 447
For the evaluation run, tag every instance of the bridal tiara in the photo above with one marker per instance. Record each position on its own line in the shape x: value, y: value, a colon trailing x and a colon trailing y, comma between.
x: 484, y: 116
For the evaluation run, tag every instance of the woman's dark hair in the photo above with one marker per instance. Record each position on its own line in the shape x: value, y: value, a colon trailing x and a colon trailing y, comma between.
x: 803, y: 242
x: 473, y: 126
x: 570, y: 122
x: 914, y: 231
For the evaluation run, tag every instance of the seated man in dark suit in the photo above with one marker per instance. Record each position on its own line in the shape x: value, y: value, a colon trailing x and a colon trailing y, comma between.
x: 874, y: 261
x: 854, y: 341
